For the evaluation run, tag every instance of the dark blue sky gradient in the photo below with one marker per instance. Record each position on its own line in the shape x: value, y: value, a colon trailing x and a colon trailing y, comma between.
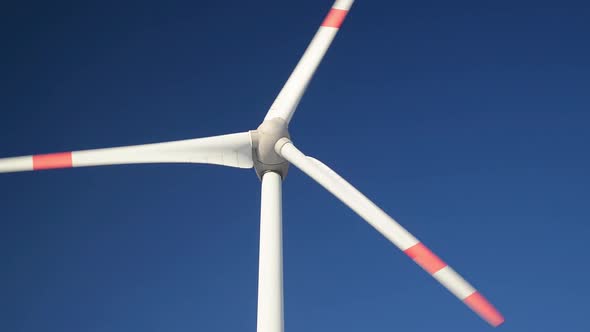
x: 466, y: 121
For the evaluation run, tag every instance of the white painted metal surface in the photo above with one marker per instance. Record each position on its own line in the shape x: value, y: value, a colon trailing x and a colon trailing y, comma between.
x: 345, y: 192
x: 16, y: 164
x: 454, y: 282
x: 233, y: 150
x: 270, y: 268
x: 389, y: 228
x: 286, y: 102
x: 228, y: 150
x: 343, y: 4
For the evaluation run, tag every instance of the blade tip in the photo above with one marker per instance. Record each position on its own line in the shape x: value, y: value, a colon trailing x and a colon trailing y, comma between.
x: 496, y: 320
x: 484, y: 309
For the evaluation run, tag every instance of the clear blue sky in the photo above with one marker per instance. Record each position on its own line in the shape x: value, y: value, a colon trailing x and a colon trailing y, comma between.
x: 466, y: 121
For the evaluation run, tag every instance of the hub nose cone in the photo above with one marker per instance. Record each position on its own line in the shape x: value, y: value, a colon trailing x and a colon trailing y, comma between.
x: 264, y: 139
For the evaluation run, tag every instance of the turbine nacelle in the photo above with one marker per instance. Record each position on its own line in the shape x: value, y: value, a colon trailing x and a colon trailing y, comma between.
x: 264, y: 139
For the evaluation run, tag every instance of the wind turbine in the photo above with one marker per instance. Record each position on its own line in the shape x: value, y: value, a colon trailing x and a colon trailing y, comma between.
x: 269, y: 150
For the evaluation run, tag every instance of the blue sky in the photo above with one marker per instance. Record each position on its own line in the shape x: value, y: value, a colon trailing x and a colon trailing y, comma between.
x: 467, y: 122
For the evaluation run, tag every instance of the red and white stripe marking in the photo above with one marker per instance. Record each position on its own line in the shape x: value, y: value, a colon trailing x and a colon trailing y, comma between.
x: 391, y: 229
x: 337, y: 14
x: 36, y: 162
x: 436, y: 267
x: 335, y: 18
x: 286, y: 102
x: 234, y: 150
x: 52, y: 160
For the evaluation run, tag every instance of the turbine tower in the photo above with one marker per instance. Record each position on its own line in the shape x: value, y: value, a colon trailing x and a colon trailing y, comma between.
x: 270, y: 151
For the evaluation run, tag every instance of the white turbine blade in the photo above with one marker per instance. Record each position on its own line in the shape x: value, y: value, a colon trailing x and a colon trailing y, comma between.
x: 286, y: 102
x: 270, y: 269
x: 393, y: 231
x: 233, y: 150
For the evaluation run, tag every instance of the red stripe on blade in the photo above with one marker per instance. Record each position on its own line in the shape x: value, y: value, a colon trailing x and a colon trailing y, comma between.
x: 425, y: 258
x: 335, y: 18
x: 484, y: 309
x: 52, y: 160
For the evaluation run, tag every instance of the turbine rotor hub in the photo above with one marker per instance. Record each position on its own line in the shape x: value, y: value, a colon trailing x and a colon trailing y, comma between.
x: 264, y: 139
